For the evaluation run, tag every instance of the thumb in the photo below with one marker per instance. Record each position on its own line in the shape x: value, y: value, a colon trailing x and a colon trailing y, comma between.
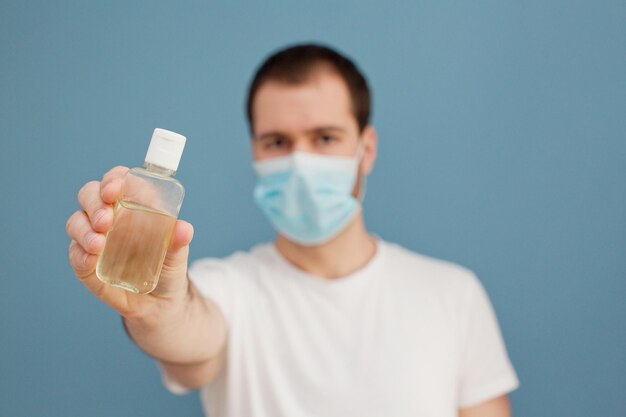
x: 181, y: 236
x: 173, y: 274
x: 177, y: 253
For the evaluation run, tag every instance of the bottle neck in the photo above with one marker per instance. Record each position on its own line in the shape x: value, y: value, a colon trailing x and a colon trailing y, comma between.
x: 159, y: 169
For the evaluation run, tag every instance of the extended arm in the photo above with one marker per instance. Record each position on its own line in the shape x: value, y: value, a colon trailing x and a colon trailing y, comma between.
x: 189, y: 344
x: 174, y: 323
x: 497, y: 407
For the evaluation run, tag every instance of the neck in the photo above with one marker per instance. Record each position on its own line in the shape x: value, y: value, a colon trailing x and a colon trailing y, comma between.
x: 344, y: 254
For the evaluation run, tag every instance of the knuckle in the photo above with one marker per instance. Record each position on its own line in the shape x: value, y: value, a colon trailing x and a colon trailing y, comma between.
x: 88, y: 240
x: 95, y: 242
x: 81, y: 272
x: 115, y: 172
x: 84, y: 272
x: 98, y: 216
x: 106, y: 182
x: 80, y: 261
x: 70, y: 222
x: 85, y: 190
x: 74, y: 257
x: 70, y: 252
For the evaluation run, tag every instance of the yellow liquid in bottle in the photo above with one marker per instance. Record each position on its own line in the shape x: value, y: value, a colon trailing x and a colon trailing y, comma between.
x: 135, y: 248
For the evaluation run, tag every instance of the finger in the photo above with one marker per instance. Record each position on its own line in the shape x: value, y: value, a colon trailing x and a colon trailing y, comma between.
x: 117, y: 171
x: 182, y: 235
x: 79, y: 229
x: 100, y: 214
x: 175, y: 263
x: 83, y: 263
x: 84, y: 266
x: 111, y: 185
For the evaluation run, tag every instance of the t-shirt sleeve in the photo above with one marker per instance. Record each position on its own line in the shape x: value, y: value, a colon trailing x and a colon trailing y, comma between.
x: 213, y: 280
x: 210, y: 276
x: 486, y: 370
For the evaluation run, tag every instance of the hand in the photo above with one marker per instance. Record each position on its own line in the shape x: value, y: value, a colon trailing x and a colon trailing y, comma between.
x: 87, y: 228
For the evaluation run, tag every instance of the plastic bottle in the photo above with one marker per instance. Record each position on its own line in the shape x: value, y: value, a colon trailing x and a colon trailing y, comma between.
x: 145, y: 216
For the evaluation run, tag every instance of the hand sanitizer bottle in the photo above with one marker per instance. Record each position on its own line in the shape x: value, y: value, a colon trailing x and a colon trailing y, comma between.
x: 145, y: 216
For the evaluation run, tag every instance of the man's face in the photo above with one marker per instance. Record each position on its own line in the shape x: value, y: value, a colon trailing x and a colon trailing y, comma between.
x: 313, y: 117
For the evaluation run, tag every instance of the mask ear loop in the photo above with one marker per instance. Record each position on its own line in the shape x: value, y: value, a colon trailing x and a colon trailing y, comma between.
x: 359, y: 158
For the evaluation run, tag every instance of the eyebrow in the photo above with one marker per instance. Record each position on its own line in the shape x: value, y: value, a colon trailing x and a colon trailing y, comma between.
x: 276, y: 133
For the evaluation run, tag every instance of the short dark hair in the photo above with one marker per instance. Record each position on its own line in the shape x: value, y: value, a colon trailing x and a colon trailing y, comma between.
x: 296, y: 64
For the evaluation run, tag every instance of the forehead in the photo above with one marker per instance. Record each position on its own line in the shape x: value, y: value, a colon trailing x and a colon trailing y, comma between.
x: 322, y: 100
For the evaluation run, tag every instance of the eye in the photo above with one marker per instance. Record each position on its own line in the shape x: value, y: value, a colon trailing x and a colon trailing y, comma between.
x: 326, y: 139
x: 275, y: 143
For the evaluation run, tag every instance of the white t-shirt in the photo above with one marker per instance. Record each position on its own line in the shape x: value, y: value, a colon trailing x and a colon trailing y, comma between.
x: 406, y: 335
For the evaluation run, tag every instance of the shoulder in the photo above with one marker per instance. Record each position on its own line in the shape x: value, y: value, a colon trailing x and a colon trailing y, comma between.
x: 427, y: 271
x: 237, y: 262
x: 225, y: 279
x: 441, y: 284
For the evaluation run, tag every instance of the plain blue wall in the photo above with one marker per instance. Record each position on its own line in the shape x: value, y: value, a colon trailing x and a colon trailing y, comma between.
x: 502, y: 147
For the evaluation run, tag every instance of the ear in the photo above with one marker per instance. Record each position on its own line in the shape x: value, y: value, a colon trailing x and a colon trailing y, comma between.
x: 370, y: 149
x: 253, y: 148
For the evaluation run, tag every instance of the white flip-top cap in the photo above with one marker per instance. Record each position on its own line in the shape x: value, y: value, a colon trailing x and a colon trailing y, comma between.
x: 165, y: 149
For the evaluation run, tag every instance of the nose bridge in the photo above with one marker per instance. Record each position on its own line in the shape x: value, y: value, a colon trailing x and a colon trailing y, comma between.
x: 301, y: 144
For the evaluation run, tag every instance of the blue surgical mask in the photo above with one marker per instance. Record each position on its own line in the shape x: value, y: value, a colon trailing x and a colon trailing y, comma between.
x: 308, y: 197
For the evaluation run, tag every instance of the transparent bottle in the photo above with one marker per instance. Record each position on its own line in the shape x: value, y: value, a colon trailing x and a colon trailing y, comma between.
x: 145, y: 216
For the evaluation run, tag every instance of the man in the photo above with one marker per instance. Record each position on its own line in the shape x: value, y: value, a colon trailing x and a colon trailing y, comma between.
x: 327, y: 320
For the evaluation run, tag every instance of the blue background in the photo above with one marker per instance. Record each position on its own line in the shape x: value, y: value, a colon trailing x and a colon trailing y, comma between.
x: 502, y: 147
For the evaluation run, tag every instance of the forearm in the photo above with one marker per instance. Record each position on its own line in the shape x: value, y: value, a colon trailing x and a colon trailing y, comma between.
x: 190, y: 331
x: 496, y: 407
x: 194, y: 375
